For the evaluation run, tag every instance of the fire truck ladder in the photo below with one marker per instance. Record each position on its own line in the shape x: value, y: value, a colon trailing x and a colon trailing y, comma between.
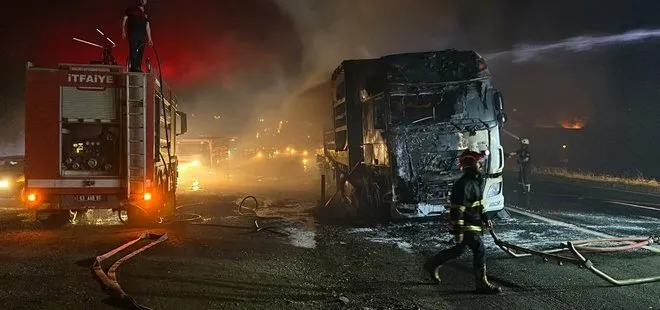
x: 136, y: 95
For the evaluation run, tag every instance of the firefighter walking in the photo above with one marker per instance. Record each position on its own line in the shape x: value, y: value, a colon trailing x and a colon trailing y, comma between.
x: 467, y: 218
x: 523, y: 159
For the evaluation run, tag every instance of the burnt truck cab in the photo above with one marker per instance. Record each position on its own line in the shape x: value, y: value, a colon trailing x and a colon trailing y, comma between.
x: 400, y: 123
x: 97, y: 137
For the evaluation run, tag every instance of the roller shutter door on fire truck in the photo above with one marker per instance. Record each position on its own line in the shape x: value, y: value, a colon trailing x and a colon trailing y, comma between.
x: 89, y: 104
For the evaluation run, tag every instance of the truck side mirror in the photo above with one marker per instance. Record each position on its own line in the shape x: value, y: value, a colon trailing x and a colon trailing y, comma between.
x: 183, y: 128
x: 501, y: 118
x: 499, y: 101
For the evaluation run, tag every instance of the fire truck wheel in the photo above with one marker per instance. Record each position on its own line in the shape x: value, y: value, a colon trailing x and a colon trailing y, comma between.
x: 55, y: 220
x: 136, y: 216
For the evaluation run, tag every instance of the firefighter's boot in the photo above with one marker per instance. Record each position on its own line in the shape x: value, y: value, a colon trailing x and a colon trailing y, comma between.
x: 483, y: 286
x: 433, y: 270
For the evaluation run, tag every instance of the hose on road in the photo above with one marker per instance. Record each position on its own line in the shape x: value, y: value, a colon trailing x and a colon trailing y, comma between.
x: 637, y: 243
x: 241, y: 210
x: 109, y: 280
x: 578, y: 259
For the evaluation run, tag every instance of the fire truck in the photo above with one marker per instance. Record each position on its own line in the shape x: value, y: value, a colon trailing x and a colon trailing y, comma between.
x: 97, y: 137
x: 397, y: 125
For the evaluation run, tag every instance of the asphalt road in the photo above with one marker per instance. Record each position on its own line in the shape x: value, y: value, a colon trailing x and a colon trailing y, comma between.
x: 224, y: 263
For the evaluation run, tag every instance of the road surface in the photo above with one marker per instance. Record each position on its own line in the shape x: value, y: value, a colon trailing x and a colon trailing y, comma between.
x: 303, y: 265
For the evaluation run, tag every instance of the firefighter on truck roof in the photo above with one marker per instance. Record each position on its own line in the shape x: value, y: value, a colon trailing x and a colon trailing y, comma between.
x: 467, y: 218
x: 136, y: 27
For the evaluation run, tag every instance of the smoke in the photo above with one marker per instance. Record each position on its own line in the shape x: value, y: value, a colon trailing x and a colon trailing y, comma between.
x: 332, y: 31
x: 12, y: 139
x: 293, y: 86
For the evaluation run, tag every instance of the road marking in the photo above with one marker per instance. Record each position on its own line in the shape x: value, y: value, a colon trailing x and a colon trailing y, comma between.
x: 633, y: 205
x: 628, y: 203
x: 605, y: 188
x: 572, y: 226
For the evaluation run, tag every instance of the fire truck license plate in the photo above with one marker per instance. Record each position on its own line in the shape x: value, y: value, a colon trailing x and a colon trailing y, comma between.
x: 89, y: 198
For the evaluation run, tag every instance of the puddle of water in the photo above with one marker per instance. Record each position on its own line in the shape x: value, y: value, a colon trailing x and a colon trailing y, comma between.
x: 302, y: 237
x: 398, y: 242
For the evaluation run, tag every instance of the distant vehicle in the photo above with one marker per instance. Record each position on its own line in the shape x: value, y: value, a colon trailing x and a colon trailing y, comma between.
x: 12, y: 176
x: 398, y: 124
x: 200, y: 159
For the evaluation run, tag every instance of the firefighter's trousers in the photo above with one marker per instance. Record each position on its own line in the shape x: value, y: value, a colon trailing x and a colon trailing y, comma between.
x: 136, y: 44
x: 525, y: 175
x: 471, y: 239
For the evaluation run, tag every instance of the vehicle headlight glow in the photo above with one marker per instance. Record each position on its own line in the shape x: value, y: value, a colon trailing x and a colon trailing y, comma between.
x: 195, y: 163
x: 4, y: 184
x: 494, y: 190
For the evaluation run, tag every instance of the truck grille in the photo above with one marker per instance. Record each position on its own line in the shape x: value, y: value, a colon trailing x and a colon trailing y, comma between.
x: 437, y: 192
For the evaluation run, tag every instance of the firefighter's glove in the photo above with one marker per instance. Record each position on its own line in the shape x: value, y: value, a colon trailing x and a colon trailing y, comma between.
x: 458, y: 238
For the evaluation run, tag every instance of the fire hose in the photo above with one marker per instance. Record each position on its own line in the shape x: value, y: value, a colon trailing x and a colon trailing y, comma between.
x: 579, y: 259
x: 109, y: 281
x: 241, y: 210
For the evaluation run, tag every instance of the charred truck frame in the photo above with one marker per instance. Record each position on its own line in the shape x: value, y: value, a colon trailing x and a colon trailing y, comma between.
x: 97, y: 137
x: 399, y: 124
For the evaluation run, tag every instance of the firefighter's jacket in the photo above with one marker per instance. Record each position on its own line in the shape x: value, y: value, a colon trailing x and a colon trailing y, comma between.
x: 466, y: 212
x: 523, y: 156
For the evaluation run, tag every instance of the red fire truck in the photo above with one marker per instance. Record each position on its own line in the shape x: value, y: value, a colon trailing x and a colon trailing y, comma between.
x: 97, y: 137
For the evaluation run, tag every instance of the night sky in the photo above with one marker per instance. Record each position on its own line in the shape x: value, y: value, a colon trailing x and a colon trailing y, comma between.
x: 238, y: 59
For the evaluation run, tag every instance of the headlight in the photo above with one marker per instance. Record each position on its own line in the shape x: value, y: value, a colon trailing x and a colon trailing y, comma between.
x: 4, y: 184
x: 494, y: 190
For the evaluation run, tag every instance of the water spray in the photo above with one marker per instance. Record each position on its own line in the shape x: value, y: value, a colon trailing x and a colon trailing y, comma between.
x: 510, y: 134
x: 527, y: 52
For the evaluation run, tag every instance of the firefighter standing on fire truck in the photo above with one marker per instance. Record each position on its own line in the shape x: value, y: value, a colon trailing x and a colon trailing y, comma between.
x: 136, y: 27
x: 467, y: 218
x: 523, y: 159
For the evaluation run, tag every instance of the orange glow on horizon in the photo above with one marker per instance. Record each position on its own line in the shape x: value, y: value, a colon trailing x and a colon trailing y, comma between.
x: 576, y: 123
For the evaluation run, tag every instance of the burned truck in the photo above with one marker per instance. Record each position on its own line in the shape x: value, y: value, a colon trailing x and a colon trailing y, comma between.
x: 399, y: 124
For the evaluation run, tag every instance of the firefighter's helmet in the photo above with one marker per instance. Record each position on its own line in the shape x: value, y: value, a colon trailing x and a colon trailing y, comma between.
x: 468, y: 158
x: 524, y: 141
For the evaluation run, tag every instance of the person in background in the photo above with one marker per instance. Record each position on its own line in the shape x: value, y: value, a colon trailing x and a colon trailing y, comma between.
x: 523, y: 158
x: 136, y: 27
